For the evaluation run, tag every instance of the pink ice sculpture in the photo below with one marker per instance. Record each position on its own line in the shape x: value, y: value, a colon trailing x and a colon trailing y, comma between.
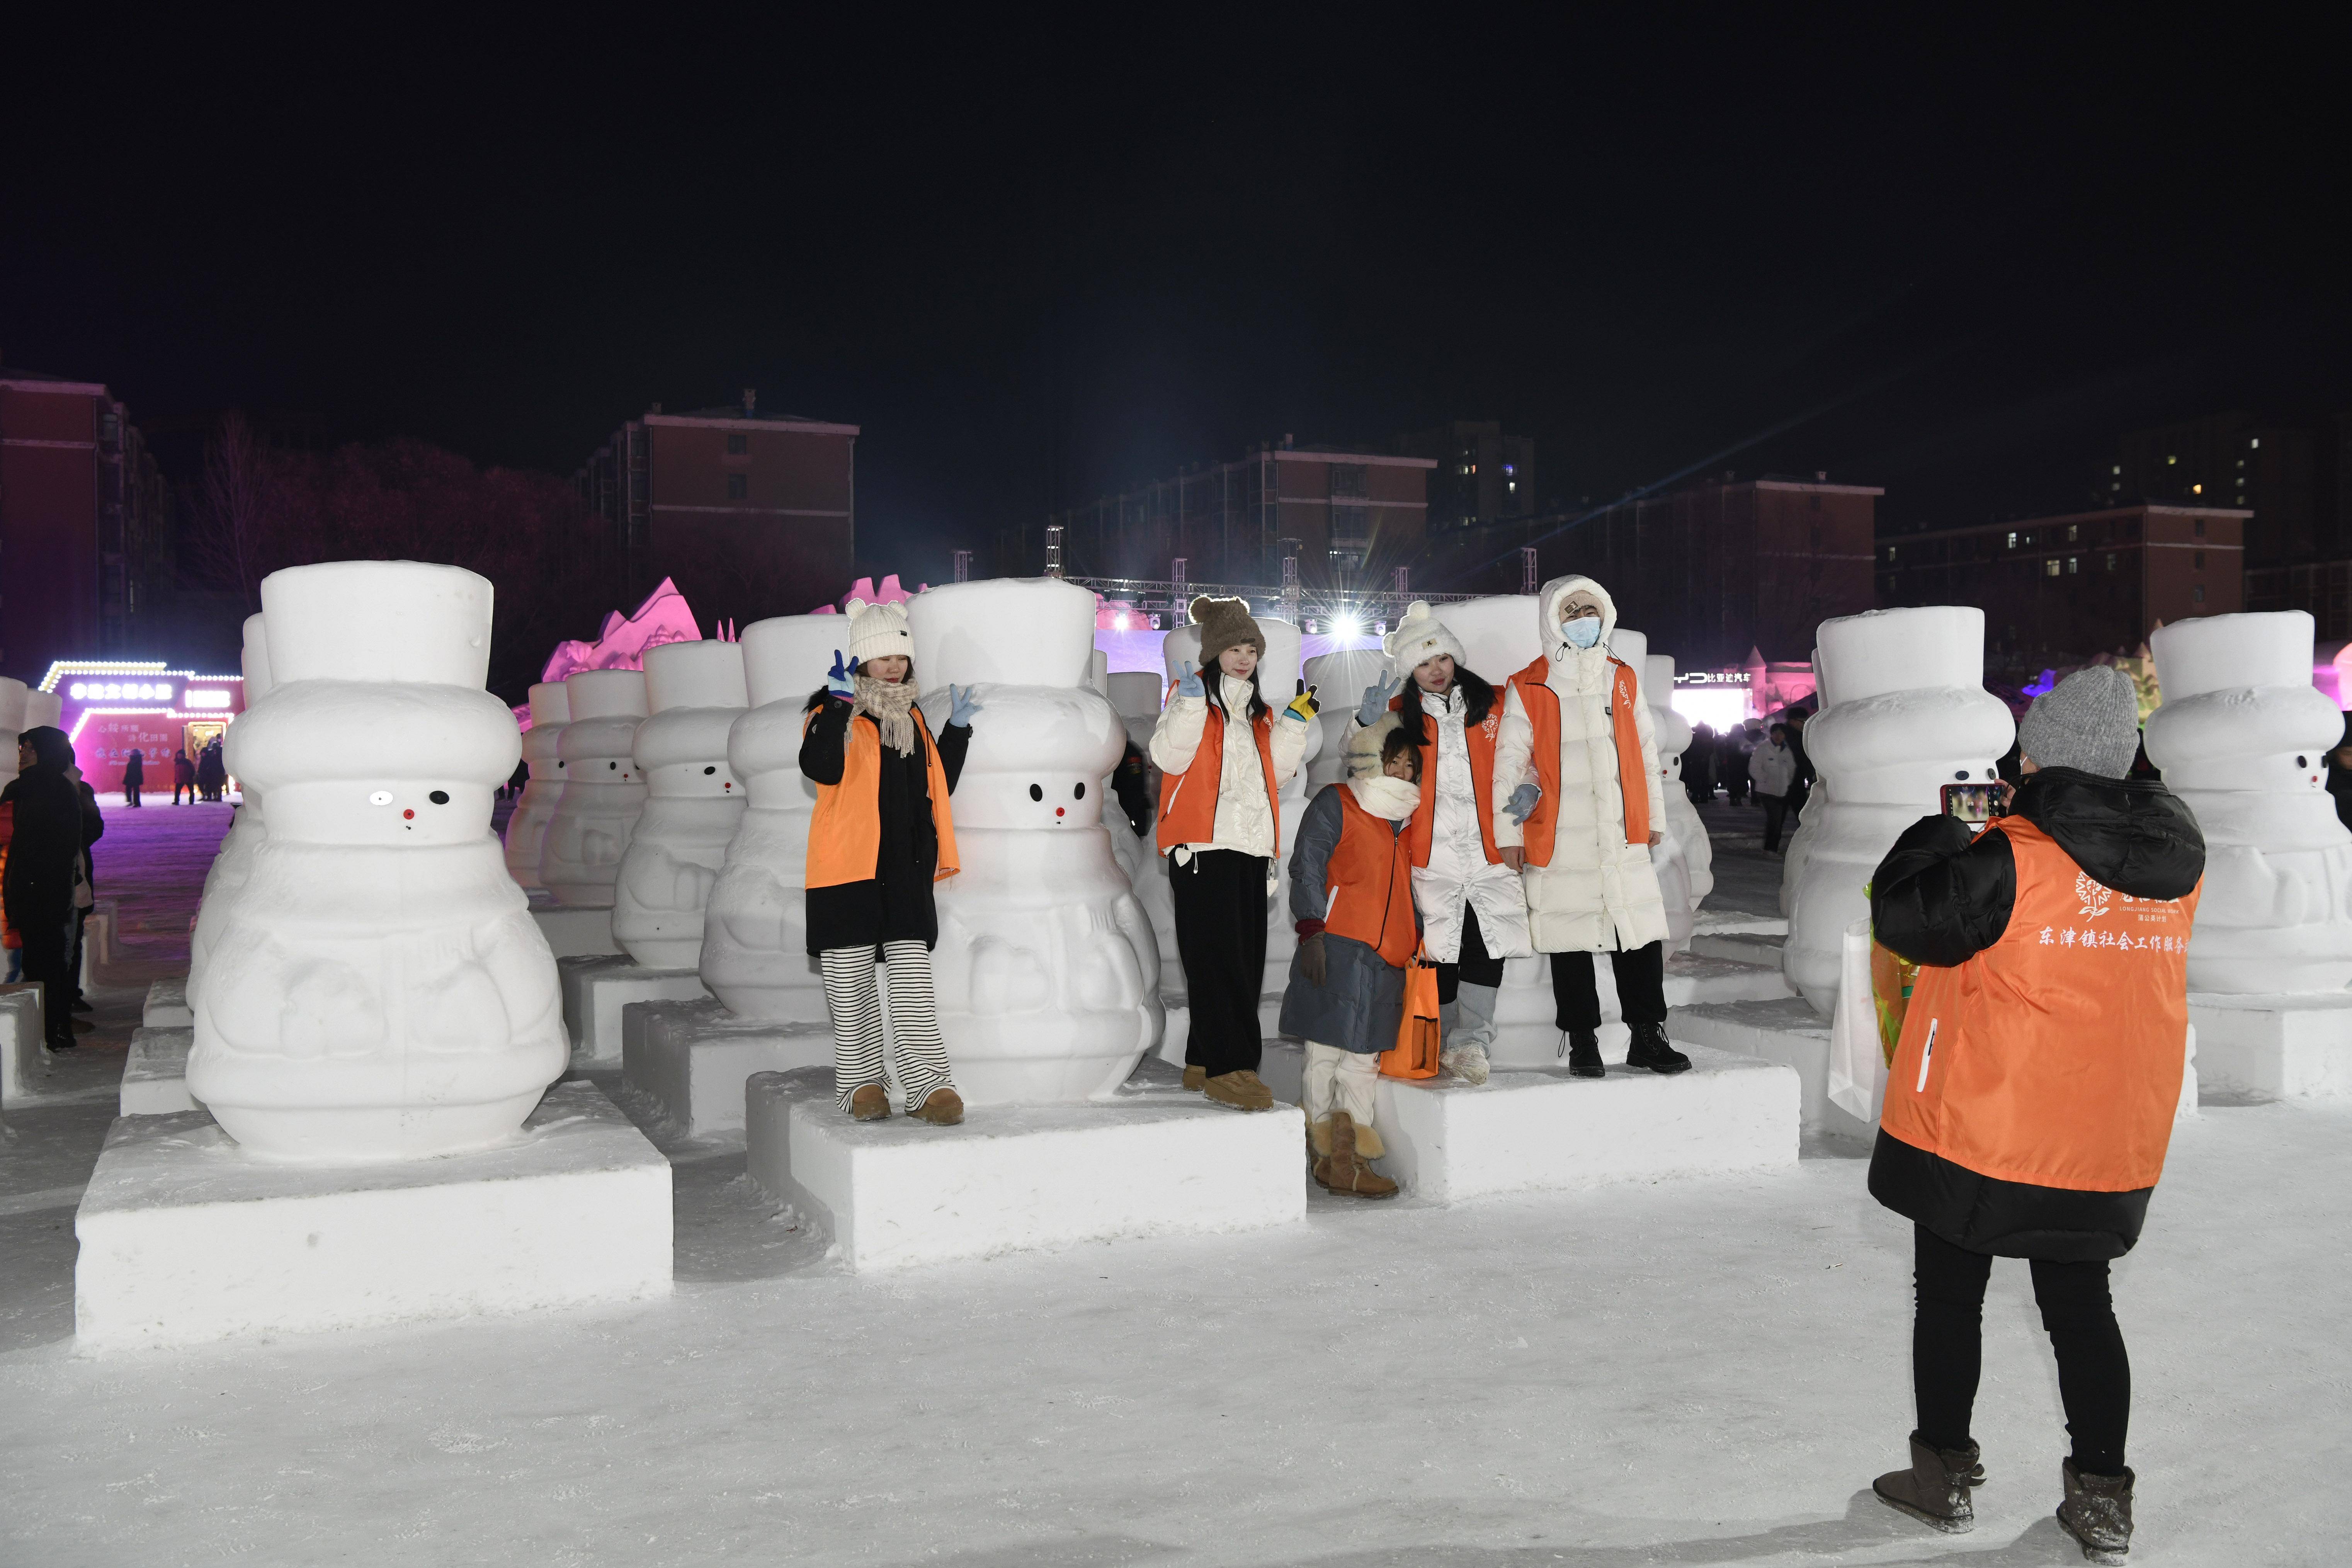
x: 663, y: 617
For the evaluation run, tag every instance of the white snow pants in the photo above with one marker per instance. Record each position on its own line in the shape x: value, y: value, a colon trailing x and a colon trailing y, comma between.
x: 1341, y: 1081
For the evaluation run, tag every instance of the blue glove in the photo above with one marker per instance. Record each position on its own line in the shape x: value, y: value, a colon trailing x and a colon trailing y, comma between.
x: 1522, y: 804
x: 838, y: 681
x: 961, y: 705
x: 1376, y: 699
x: 1303, y: 707
x: 1188, y: 684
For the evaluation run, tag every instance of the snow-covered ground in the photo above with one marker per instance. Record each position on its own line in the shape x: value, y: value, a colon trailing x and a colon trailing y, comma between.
x: 1679, y: 1372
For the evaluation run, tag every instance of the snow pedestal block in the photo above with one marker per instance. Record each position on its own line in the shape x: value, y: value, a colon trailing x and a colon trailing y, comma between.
x: 24, y: 1068
x: 1526, y: 1030
x: 2278, y: 1047
x: 185, y: 1238
x: 1149, y: 1159
x: 573, y: 933
x: 693, y: 1058
x: 97, y: 944
x: 155, y: 1073
x: 596, y: 988
x: 167, y: 1004
x: 1786, y: 1031
x: 1541, y: 1130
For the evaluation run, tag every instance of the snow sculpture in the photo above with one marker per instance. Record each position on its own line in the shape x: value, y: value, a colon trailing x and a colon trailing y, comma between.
x: 755, y: 954
x: 232, y: 865
x: 551, y: 710
x: 1904, y: 713
x: 379, y: 992
x: 12, y: 724
x: 1135, y: 695
x: 2242, y: 738
x: 697, y: 692
x: 1046, y: 968
x: 1686, y: 872
x: 603, y: 789
x: 45, y: 707
x: 1338, y: 679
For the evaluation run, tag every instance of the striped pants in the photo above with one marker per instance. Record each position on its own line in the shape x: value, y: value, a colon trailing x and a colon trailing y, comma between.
x: 855, y: 1001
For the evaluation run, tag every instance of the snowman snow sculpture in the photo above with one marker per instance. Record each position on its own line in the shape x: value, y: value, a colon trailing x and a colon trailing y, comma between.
x: 12, y: 724
x: 693, y: 805
x: 755, y: 956
x: 1046, y: 970
x: 1339, y: 679
x: 551, y: 710
x: 231, y: 864
x: 2243, y: 739
x: 378, y: 991
x: 1686, y: 872
x: 603, y: 789
x: 1904, y: 713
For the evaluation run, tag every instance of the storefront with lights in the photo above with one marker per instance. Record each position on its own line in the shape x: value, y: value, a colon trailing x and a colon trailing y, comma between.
x: 113, y: 707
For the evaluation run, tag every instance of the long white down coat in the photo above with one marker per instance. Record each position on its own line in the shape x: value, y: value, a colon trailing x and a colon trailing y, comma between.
x: 1598, y: 892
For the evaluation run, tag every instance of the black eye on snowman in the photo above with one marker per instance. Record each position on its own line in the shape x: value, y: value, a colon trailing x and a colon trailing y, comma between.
x: 1962, y: 776
x: 439, y: 797
x: 1036, y: 791
x: 1080, y: 792
x: 711, y: 770
x: 2301, y: 764
x: 610, y: 766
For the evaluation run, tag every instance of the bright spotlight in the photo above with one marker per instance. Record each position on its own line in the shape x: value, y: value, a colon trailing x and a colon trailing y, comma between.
x: 1347, y: 627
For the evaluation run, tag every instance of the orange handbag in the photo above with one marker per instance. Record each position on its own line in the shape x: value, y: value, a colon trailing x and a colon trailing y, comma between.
x: 1416, y: 1055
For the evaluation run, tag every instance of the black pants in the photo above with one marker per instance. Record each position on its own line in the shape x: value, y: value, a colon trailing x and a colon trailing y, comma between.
x: 1641, y: 988
x: 176, y: 790
x: 1474, y: 965
x: 1948, y: 1351
x: 130, y: 796
x: 49, y: 963
x: 1776, y: 812
x: 1221, y: 939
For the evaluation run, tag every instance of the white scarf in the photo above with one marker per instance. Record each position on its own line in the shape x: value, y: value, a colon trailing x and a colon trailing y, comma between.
x: 888, y: 703
x: 1392, y: 800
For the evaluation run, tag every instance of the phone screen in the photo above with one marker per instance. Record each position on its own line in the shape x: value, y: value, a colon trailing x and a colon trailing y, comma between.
x: 1974, y: 804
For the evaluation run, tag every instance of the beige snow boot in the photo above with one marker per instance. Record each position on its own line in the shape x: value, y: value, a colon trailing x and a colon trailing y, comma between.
x: 943, y: 1107
x: 2097, y: 1513
x: 1342, y: 1171
x: 1196, y: 1078
x: 871, y: 1103
x: 1467, y: 1063
x: 1935, y: 1489
x: 1242, y: 1090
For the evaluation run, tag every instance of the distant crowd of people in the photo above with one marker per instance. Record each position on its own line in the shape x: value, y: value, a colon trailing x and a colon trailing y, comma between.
x: 205, y: 778
x: 1764, y: 760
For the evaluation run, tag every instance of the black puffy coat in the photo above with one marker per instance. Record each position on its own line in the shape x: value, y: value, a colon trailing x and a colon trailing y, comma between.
x: 49, y: 838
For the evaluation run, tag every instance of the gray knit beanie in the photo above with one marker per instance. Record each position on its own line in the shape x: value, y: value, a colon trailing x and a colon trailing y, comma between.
x: 2089, y: 722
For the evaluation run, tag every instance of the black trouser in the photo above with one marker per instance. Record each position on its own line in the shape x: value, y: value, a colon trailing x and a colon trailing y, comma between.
x: 1641, y: 988
x: 191, y: 789
x: 49, y: 963
x: 1473, y: 966
x: 131, y: 795
x: 1221, y: 939
x: 1947, y: 1350
x: 1776, y: 812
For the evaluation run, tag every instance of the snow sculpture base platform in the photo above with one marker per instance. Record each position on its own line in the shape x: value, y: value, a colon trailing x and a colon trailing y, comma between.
x: 98, y: 945
x: 1785, y: 1030
x: 576, y: 933
x: 595, y: 989
x: 1540, y: 1130
x: 23, y: 1065
x: 167, y: 1004
x: 693, y: 1058
x: 2277, y: 1048
x: 1152, y: 1159
x: 186, y: 1239
x: 155, y: 1074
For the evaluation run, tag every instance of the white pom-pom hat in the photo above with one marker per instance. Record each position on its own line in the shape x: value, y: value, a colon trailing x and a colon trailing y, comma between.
x: 1418, y: 639
x: 878, y: 631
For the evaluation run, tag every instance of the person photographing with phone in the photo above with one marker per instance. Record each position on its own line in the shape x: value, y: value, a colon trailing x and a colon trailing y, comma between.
x: 2031, y: 1096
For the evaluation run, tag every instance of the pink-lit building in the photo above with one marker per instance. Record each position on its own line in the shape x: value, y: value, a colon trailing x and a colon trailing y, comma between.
x: 112, y: 706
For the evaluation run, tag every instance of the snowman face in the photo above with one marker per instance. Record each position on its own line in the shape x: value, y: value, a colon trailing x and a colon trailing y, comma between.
x: 695, y: 780
x: 2297, y: 771
x: 386, y: 812
x: 1038, y: 759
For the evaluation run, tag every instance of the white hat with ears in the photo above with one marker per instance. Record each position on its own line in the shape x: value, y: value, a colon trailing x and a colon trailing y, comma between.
x: 1418, y: 639
x: 878, y: 631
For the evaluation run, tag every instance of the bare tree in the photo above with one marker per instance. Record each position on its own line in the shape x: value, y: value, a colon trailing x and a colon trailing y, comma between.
x: 240, y: 508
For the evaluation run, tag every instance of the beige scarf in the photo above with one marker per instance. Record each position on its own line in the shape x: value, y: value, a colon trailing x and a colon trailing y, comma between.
x: 889, y: 703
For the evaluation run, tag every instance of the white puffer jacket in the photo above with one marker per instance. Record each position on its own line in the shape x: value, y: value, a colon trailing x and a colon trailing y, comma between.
x: 1598, y: 892
x: 1245, y: 820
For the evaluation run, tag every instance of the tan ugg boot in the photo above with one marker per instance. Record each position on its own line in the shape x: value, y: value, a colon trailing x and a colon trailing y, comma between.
x: 1342, y: 1171
x: 1318, y: 1136
x: 1196, y: 1078
x: 943, y: 1107
x: 1242, y: 1090
x: 1935, y: 1489
x: 870, y: 1103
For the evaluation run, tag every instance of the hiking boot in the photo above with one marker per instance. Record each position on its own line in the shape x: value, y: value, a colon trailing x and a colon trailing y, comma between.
x: 1196, y: 1078
x: 1343, y: 1171
x: 1935, y: 1489
x: 1651, y: 1050
x: 2097, y: 1513
x: 1583, y: 1053
x: 1467, y: 1063
x: 870, y: 1103
x: 943, y: 1107
x: 1242, y: 1090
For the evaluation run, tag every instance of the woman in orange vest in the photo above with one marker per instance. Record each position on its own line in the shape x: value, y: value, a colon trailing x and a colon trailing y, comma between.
x: 1351, y: 896
x: 1223, y: 759
x: 2032, y: 1093
x: 1473, y: 914
x: 880, y: 836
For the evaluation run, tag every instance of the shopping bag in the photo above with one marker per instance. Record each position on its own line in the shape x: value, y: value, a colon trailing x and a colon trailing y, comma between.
x: 1857, y: 1066
x: 1416, y: 1055
x: 1891, y: 979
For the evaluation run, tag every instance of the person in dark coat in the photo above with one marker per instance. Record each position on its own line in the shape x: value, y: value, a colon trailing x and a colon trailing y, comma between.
x: 1130, y: 784
x: 2032, y: 1095
x: 183, y: 777
x: 134, y: 773
x: 45, y: 848
x: 2339, y: 775
x: 212, y: 772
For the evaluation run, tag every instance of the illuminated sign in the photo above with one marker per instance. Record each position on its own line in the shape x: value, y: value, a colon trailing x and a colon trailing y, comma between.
x: 212, y: 698
x: 135, y: 691
x: 1713, y: 678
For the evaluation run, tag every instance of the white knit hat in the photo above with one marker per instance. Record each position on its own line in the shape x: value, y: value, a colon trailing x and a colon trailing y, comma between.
x: 1418, y: 639
x: 878, y: 631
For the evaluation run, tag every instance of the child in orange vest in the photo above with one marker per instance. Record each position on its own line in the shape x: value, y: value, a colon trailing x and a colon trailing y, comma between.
x: 1352, y: 894
x: 880, y: 836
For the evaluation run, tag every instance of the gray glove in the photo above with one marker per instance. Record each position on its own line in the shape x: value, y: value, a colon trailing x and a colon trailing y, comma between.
x: 1522, y: 804
x: 1376, y: 699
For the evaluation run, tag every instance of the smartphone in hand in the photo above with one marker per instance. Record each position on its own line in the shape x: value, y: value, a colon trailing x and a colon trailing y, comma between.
x: 1975, y: 803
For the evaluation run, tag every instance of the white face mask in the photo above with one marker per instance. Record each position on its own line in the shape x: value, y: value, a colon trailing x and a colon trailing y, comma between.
x: 1582, y: 632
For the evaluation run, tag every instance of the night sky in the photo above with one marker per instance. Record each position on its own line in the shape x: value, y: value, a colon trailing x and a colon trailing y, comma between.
x: 1036, y: 265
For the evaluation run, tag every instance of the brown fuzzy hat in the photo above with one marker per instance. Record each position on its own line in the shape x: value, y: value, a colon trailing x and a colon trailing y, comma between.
x: 1225, y: 622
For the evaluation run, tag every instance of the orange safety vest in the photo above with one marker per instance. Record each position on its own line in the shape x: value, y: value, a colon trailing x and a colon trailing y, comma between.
x: 1481, y: 738
x: 1188, y: 801
x: 1369, y: 880
x: 2054, y: 1057
x: 1542, y: 706
x: 845, y: 831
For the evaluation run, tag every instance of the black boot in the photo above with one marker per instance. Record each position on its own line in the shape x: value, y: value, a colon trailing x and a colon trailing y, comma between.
x: 2097, y: 1513
x: 1935, y: 1489
x: 1583, y: 1048
x: 1651, y: 1050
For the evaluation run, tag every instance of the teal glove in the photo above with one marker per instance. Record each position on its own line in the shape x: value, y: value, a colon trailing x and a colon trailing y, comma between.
x: 1188, y: 684
x: 1376, y: 699
x: 961, y: 705
x: 1522, y: 804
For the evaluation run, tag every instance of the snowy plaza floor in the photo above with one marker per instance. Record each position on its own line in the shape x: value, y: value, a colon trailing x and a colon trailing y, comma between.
x: 1697, y: 1372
